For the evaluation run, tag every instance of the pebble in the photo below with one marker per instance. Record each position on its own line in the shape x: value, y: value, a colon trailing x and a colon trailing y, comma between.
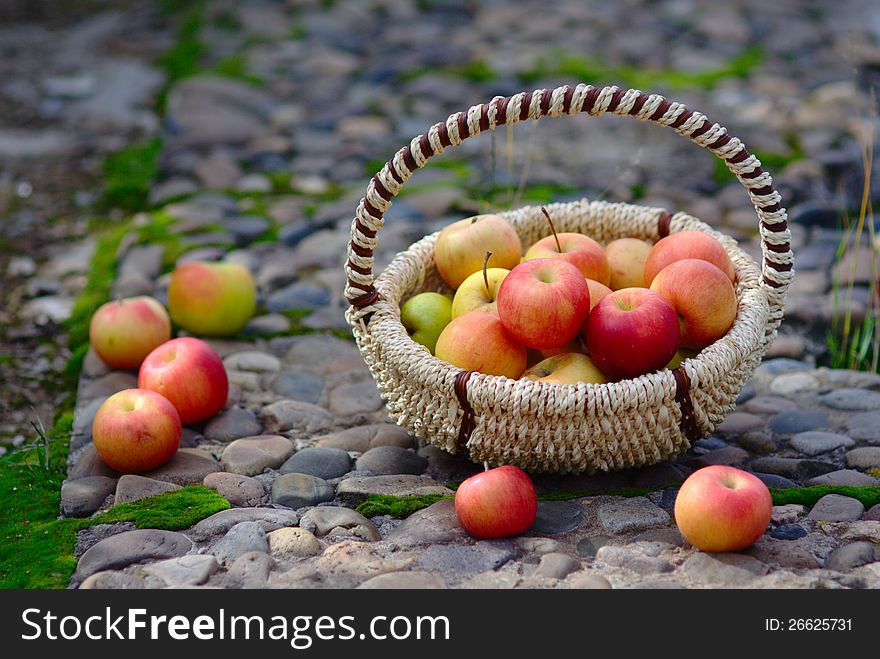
x: 334, y: 520
x: 232, y: 424
x: 270, y: 323
x: 456, y: 560
x: 769, y: 404
x: 588, y: 581
x: 588, y: 547
x: 293, y: 542
x: 187, y: 467
x: 132, y: 487
x: 859, y: 400
x: 632, y: 560
x: 219, y: 523
x: 295, y: 415
x: 254, y: 361
x: 299, y: 385
x: 240, y: 539
x: 113, y: 580
x: 250, y: 570
x: 791, y: 422
x: 844, y: 477
x: 106, y: 385
x: 131, y: 547
x: 218, y: 170
x: 556, y: 565
x: 729, y: 455
x: 190, y: 570
x: 788, y: 532
x: 436, y: 524
x: 633, y: 514
x: 83, y: 496
x: 315, y: 352
x: 864, y: 427
x: 792, y: 468
x: 362, y: 438
x: 817, y: 442
x: 781, y: 553
x: 358, y: 398
x: 836, y: 508
x: 298, y: 490
x: 409, y: 580
x: 240, y: 491
x: 298, y: 295
x: 789, y: 384
x: 866, y: 457
x: 873, y: 513
x: 354, y: 490
x: 723, y: 569
x: 246, y: 228
x: 850, y: 556
x: 250, y: 456
x: 320, y: 461
x: 387, y: 460
x: 557, y: 517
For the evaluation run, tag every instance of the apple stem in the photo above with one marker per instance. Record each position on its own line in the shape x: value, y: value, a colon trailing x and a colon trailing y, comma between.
x: 486, y: 275
x: 552, y: 228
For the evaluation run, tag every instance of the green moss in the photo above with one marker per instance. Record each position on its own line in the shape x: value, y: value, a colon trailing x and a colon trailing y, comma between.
x: 235, y: 66
x: 171, y: 511
x: 185, y: 57
x: 400, y: 507
x: 129, y: 173
x: 808, y: 496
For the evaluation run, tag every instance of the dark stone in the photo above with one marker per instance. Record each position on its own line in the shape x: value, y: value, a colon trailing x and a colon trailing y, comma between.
x: 299, y: 385
x: 555, y: 517
x: 292, y: 234
x: 793, y: 468
x: 790, y: 422
x: 318, y: 461
x: 298, y: 296
x: 774, y: 480
x: 83, y: 496
x: 298, y: 490
x: 480, y: 557
x: 587, y: 547
x: 388, y: 460
x: 232, y: 424
x: 246, y: 228
x: 788, y: 532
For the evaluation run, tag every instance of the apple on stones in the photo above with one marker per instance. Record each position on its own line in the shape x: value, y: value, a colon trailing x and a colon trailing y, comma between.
x: 123, y: 332
x: 136, y: 430
x: 461, y: 247
x: 479, y: 292
x: 631, y: 332
x: 626, y: 261
x: 575, y: 248
x: 497, y: 503
x: 543, y: 302
x: 424, y: 316
x: 687, y: 245
x: 567, y: 368
x: 703, y: 297
x: 190, y: 374
x: 477, y: 341
x: 722, y: 508
x: 212, y: 299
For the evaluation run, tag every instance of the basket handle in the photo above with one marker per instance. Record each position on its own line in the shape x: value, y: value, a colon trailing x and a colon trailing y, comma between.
x: 777, y: 257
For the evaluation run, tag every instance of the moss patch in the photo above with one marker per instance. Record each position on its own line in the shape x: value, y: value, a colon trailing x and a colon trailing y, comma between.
x: 129, y: 173
x: 808, y: 496
x: 399, y: 507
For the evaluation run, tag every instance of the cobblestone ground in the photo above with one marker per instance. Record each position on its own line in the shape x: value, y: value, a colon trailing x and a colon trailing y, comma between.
x: 265, y: 154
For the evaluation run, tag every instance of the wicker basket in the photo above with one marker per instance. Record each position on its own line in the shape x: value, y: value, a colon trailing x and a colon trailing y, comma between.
x: 565, y: 428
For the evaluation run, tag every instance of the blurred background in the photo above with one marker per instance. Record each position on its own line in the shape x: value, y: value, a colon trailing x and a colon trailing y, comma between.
x: 262, y: 121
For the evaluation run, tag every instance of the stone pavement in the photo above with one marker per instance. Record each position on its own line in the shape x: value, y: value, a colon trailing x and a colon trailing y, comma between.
x: 265, y: 168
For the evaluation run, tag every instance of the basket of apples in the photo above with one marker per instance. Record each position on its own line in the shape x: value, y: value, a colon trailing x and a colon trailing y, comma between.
x: 574, y: 337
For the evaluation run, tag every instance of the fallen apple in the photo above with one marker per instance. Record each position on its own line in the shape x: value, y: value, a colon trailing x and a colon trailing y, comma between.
x: 497, y: 503
x: 211, y: 299
x: 123, y: 332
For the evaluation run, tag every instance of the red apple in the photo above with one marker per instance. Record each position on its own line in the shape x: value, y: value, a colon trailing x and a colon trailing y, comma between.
x: 461, y: 247
x: 702, y: 296
x: 581, y: 251
x: 477, y: 341
x: 687, y: 245
x: 722, y: 508
x: 190, y: 374
x: 211, y: 299
x: 543, y: 302
x: 626, y: 259
x: 125, y: 331
x: 136, y: 430
x: 631, y: 332
x: 497, y: 503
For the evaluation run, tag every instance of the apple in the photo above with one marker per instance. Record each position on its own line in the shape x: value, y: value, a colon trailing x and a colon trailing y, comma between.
x: 190, y: 374
x: 477, y: 341
x: 631, y: 332
x: 424, y: 316
x: 136, y: 430
x: 543, y: 302
x: 703, y: 297
x: 123, y: 332
x: 211, y: 299
x: 567, y: 368
x: 497, y: 503
x: 478, y: 292
x: 575, y: 248
x: 461, y: 247
x: 597, y: 292
x: 575, y: 345
x: 680, y: 356
x: 626, y: 260
x: 687, y: 245
x: 722, y: 508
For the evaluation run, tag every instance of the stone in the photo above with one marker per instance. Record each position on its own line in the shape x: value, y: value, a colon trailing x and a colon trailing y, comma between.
x: 293, y: 542
x: 250, y: 456
x: 411, y: 580
x: 789, y: 384
x: 866, y: 457
x: 788, y: 532
x: 219, y: 523
x: 335, y: 520
x: 588, y: 581
x: 189, y: 570
x: 362, y: 438
x: 556, y: 565
x: 792, y: 468
x: 456, y: 560
x: 739, y: 422
x: 557, y: 517
x: 298, y: 295
x: 187, y: 467
x: 844, y: 477
x: 112, y: 580
x: 295, y: 415
x: 83, y: 418
x: 128, y: 548
x: 83, y: 496
x: 246, y: 228
x: 132, y: 487
x: 633, y: 514
x: 354, y: 490
x: 107, y: 385
x: 315, y: 352
x: 92, y: 535
x: 254, y: 361
x: 864, y: 427
x: 781, y: 553
x: 774, y: 480
x: 240, y: 539
x: 144, y: 260
x: 299, y: 385
x: 624, y: 557
x: 868, y: 530
x: 726, y: 570
x: 231, y: 424
x: 357, y: 398
x: 320, y: 461
x: 436, y: 524
x: 250, y: 570
x: 298, y: 490
x: 240, y: 491
x: 850, y: 556
x: 588, y: 547
x: 19, y: 143
x: 729, y: 455
x: 387, y: 460
x: 218, y: 170
x: 852, y: 400
x: 768, y: 404
x: 873, y: 513
x: 787, y: 513
x: 816, y: 442
x: 836, y: 508
x: 270, y: 323
x: 791, y: 422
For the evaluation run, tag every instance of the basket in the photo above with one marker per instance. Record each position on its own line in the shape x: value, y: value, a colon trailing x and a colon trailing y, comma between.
x: 565, y: 428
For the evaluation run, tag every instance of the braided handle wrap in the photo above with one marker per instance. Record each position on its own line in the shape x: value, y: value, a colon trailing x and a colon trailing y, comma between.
x: 777, y: 257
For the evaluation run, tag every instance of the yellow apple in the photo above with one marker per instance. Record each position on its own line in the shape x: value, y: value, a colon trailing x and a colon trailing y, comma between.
x: 626, y: 259
x: 567, y: 368
x: 461, y: 247
x: 473, y: 295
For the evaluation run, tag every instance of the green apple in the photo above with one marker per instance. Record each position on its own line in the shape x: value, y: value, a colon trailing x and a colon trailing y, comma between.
x: 211, y: 299
x: 473, y: 295
x: 680, y: 356
x: 424, y: 316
